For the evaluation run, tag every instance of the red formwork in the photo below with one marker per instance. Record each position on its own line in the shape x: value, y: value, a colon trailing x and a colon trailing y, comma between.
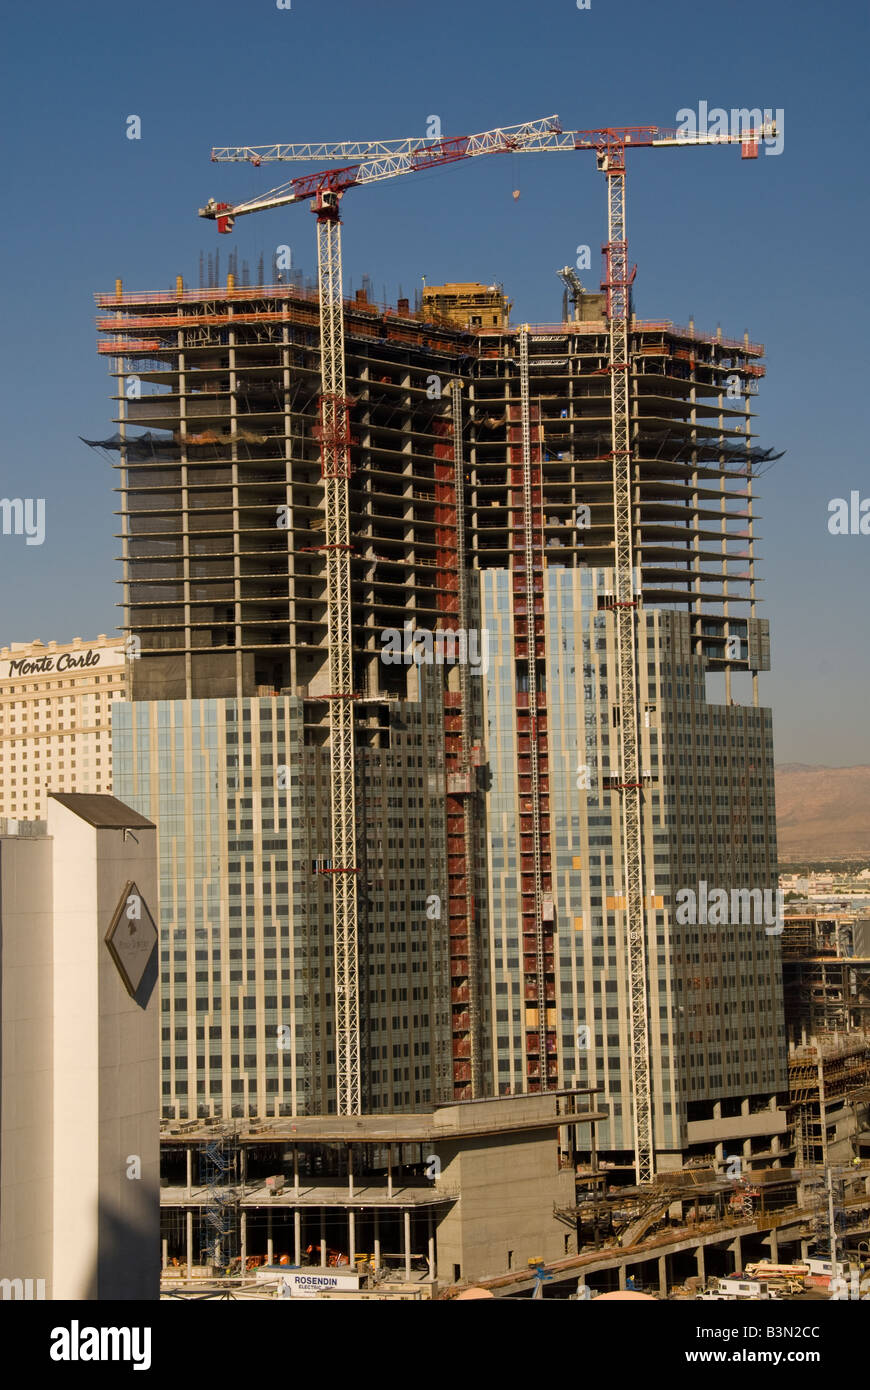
x: 531, y: 731
x: 458, y: 780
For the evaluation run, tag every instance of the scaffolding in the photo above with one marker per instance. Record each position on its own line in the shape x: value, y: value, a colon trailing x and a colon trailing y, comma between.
x: 826, y: 1075
x: 826, y: 985
x: 219, y: 1219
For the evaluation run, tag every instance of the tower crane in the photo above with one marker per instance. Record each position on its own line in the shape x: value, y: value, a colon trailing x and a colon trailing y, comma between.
x: 571, y: 280
x: 377, y: 161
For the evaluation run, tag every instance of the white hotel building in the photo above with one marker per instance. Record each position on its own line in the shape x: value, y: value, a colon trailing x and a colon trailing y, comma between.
x: 56, y: 720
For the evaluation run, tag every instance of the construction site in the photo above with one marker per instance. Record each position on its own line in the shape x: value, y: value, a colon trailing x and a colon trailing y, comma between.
x: 426, y: 1206
x: 400, y: 895
x: 826, y: 973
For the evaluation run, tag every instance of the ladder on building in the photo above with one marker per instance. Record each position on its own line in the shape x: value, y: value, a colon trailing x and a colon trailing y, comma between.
x: 218, y: 1162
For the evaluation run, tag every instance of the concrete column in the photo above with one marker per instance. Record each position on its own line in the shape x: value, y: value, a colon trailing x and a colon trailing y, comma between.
x: 663, y: 1274
x: 621, y: 1273
x: 432, y: 1270
x: 164, y: 1253
x: 389, y: 1170
x: 295, y: 1171
x: 774, y: 1246
x: 699, y: 1260
x: 189, y: 1154
x: 243, y: 1167
x: 270, y: 1245
x: 377, y: 1239
x: 189, y: 1242
x: 805, y: 1249
x: 243, y: 1227
x: 297, y: 1236
x: 350, y: 1169
x: 323, y: 1240
x: 407, y: 1245
x: 736, y: 1248
x: 351, y: 1236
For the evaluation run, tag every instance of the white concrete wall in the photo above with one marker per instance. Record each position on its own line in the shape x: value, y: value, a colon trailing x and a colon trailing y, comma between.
x: 25, y: 1060
x: 107, y: 1074
x: 76, y: 942
x: 129, y: 1085
x: 509, y: 1186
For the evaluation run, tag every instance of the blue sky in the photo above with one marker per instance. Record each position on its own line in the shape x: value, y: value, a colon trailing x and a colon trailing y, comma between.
x: 775, y: 246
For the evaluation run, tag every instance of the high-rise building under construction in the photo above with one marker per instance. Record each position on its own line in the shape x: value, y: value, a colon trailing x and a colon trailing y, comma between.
x: 491, y: 949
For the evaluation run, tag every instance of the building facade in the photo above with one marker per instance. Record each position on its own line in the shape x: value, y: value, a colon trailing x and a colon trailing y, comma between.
x: 56, y: 719
x: 249, y: 995
x: 716, y: 1027
x: 481, y: 501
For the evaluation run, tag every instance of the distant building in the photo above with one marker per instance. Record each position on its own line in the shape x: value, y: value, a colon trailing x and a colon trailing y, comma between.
x: 826, y: 973
x: 56, y: 719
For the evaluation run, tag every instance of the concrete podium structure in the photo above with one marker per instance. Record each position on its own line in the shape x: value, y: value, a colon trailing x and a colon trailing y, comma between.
x: 79, y: 1184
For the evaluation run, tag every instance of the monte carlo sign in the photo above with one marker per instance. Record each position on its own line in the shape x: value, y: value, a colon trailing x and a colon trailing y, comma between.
x: 60, y: 663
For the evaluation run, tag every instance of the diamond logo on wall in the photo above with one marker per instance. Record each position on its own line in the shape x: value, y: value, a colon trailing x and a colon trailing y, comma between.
x: 131, y: 938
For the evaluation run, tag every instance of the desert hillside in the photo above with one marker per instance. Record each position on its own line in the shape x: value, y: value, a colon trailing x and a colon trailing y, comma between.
x: 822, y: 812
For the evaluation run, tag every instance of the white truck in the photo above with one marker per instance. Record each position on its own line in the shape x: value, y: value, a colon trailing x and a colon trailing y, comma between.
x: 734, y: 1287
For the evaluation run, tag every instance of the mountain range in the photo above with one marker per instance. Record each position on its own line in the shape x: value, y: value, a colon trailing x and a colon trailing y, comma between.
x: 822, y: 812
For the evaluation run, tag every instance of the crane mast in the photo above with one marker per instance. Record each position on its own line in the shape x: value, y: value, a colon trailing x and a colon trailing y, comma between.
x: 335, y: 468
x: 384, y: 159
x: 617, y: 284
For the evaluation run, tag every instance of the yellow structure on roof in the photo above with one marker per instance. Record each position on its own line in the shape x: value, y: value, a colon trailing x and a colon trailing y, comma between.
x: 468, y: 303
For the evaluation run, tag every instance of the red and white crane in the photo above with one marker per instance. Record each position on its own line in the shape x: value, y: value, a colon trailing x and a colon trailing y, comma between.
x: 385, y: 159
